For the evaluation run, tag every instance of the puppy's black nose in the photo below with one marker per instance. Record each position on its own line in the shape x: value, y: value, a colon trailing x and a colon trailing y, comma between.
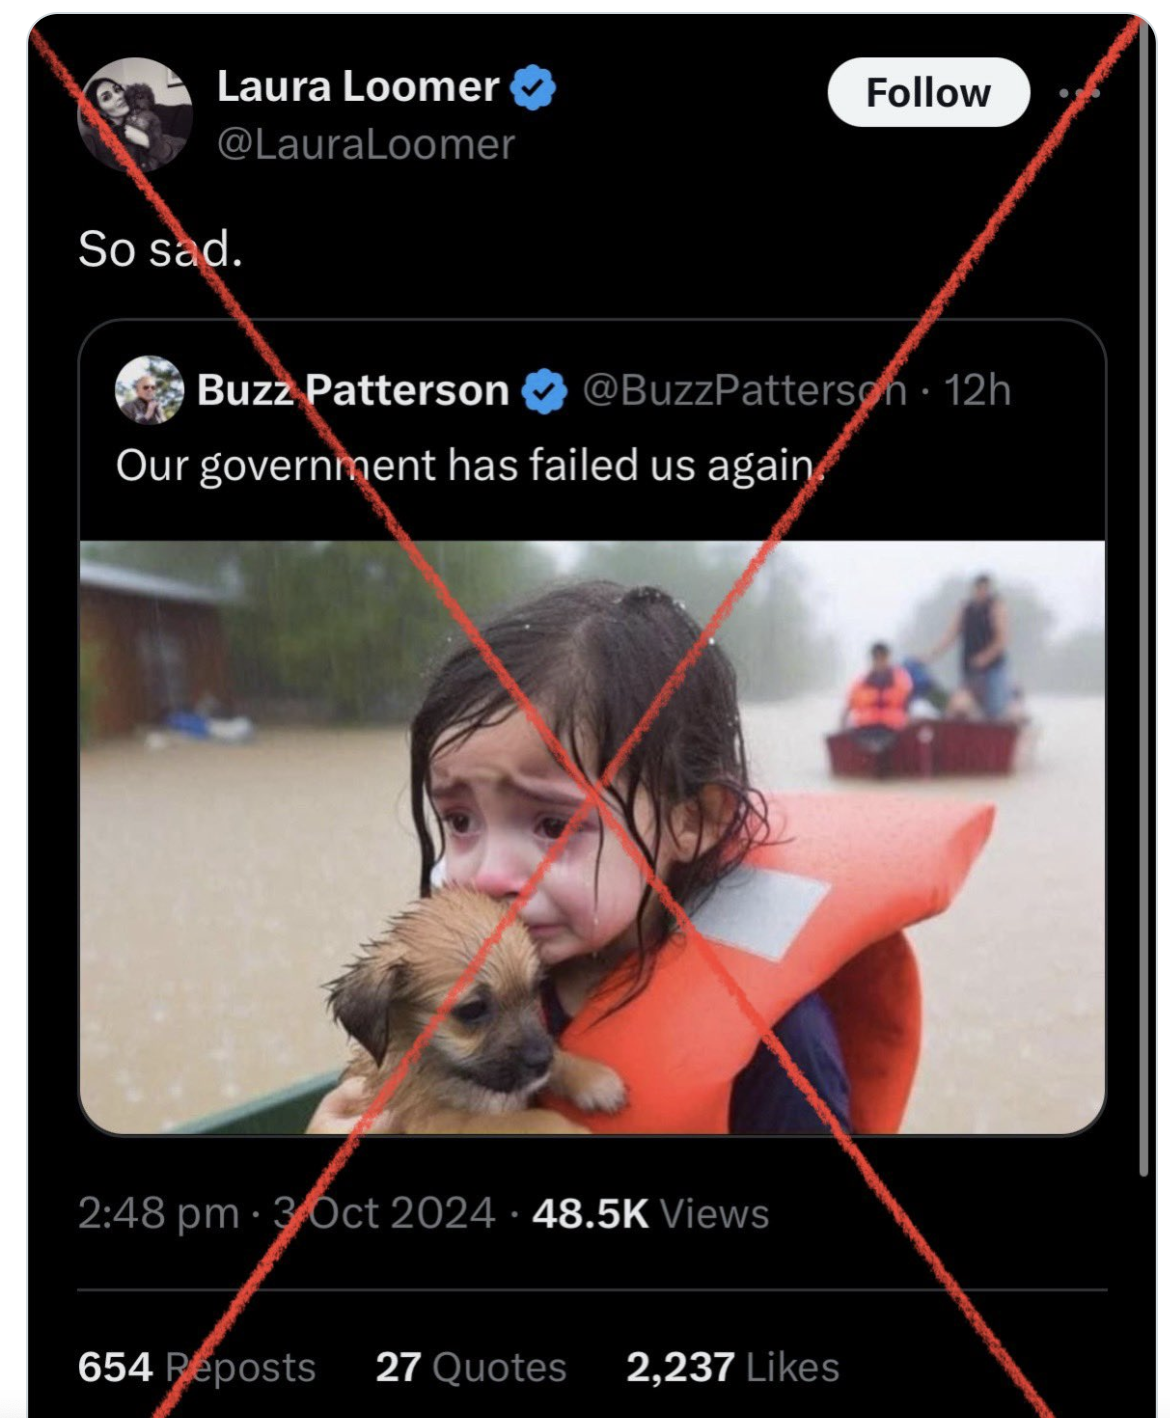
x: 536, y: 1053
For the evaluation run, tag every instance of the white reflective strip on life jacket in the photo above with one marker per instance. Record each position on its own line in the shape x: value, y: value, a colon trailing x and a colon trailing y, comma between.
x: 758, y: 910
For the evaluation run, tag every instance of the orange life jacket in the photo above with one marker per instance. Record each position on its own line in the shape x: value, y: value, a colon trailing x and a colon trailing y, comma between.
x: 822, y: 910
x: 869, y: 704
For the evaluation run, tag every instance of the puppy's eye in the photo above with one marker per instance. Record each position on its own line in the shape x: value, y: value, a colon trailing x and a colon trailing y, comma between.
x: 475, y: 1011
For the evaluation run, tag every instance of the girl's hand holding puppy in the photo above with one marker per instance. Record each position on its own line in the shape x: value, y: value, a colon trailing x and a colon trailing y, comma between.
x: 340, y: 1109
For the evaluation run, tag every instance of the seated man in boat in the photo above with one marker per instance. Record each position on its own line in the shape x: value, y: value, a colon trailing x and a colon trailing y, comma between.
x: 982, y: 623
x: 877, y: 707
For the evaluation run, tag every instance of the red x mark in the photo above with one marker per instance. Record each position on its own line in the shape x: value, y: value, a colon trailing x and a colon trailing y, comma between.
x: 593, y: 791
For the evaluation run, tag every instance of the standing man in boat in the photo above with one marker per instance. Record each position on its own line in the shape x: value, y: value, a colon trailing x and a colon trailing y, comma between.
x: 982, y: 623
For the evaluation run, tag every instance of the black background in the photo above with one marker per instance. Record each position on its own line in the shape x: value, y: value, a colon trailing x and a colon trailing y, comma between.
x: 717, y: 185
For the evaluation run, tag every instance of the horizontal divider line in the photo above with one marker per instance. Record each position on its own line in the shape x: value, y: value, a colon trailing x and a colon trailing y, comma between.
x: 592, y: 1290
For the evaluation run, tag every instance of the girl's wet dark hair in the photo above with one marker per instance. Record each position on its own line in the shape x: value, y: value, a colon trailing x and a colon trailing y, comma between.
x: 592, y: 657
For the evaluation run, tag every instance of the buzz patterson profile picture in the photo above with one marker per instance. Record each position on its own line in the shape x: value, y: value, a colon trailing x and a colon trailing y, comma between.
x: 149, y: 390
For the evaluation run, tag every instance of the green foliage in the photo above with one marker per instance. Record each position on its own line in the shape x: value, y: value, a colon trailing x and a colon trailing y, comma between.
x: 352, y: 625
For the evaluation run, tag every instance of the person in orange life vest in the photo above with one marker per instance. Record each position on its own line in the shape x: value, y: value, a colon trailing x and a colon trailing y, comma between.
x: 881, y: 695
x: 591, y: 658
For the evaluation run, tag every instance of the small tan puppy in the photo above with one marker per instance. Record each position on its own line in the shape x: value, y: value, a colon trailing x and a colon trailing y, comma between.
x: 490, y: 1055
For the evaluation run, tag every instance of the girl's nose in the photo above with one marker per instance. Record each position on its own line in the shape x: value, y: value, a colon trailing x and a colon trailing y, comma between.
x: 501, y: 871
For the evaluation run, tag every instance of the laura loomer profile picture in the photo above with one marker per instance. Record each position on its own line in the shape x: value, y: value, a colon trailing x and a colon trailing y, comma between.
x: 148, y: 107
x: 149, y: 390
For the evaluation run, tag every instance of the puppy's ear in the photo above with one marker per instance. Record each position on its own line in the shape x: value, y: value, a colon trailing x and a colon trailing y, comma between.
x: 361, y: 999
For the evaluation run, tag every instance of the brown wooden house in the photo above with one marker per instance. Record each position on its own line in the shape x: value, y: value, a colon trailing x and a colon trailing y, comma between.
x: 149, y: 645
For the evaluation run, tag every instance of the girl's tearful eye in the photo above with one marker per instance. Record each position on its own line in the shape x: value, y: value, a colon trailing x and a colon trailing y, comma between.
x: 458, y: 823
x: 551, y: 827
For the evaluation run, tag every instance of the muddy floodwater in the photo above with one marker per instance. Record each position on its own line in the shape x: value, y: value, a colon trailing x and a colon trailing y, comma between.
x: 222, y: 886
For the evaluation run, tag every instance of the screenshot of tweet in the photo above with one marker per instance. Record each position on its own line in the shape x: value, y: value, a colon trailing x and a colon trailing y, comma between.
x: 610, y: 595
